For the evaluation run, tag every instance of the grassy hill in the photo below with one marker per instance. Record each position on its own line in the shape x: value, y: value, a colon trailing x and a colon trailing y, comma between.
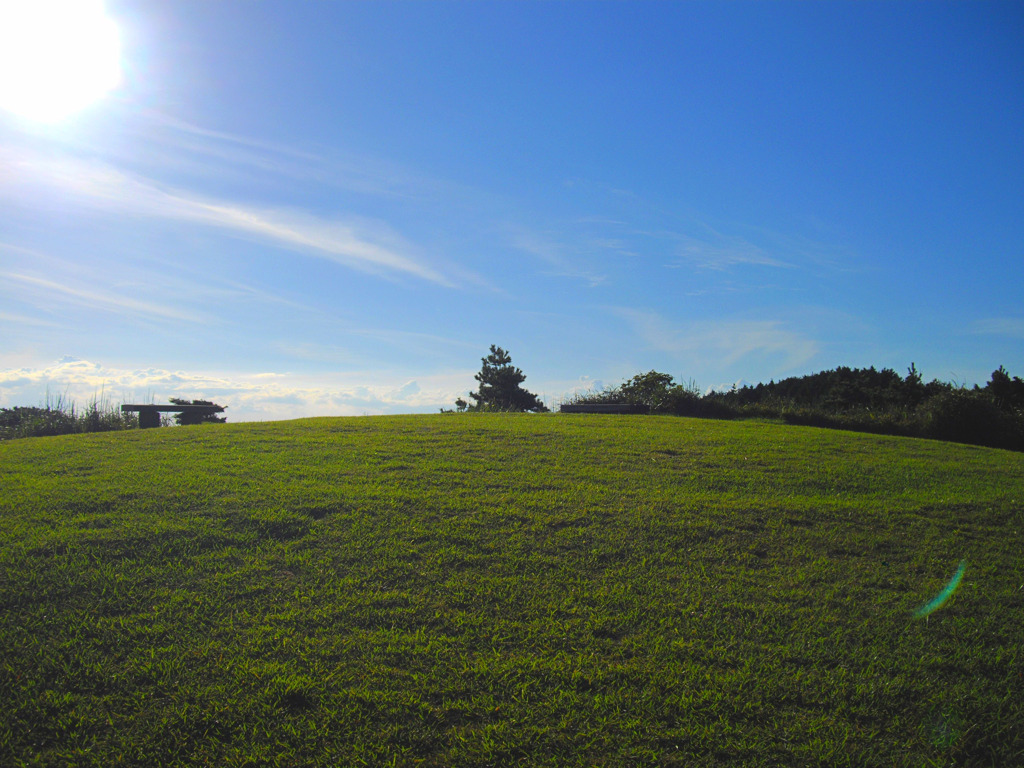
x: 509, y: 589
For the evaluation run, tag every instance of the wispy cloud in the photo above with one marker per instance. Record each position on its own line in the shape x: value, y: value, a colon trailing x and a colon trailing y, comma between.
x: 232, y: 291
x: 690, y: 238
x: 724, y: 253
x: 413, y: 339
x: 412, y: 345
x: 107, y: 188
x: 724, y: 342
x: 361, y: 173
x: 710, y: 249
x: 17, y: 249
x: 614, y: 243
x: 999, y: 326
x: 163, y: 119
x: 9, y: 317
x: 48, y: 290
x: 157, y: 288
x: 554, y: 254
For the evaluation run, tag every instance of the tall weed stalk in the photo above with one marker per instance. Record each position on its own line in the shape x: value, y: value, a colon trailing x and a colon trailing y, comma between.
x: 61, y: 416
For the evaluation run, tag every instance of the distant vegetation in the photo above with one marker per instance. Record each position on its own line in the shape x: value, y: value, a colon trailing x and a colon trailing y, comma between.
x: 187, y: 418
x: 60, y: 416
x: 859, y: 399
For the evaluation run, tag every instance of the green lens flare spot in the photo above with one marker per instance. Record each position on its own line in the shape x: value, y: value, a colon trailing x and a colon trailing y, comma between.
x: 936, y: 602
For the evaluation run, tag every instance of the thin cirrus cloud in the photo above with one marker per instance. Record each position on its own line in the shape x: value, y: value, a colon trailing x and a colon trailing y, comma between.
x: 99, y: 185
x: 412, y: 345
x: 232, y: 152
x: 727, y: 341
x: 41, y: 280
x: 48, y: 289
x: 729, y: 253
x: 181, y: 126
x: 999, y: 326
x: 554, y: 255
x: 10, y: 317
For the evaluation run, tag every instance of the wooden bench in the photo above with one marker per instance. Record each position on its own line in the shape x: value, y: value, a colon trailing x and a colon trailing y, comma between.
x: 604, y: 408
x: 149, y: 415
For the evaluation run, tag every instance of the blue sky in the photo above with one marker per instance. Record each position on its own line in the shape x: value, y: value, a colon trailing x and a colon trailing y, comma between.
x: 335, y: 208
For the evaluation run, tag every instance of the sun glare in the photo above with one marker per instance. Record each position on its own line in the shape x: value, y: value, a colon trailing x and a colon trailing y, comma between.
x: 56, y: 57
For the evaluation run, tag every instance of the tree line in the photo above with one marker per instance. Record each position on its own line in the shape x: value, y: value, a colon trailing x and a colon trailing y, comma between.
x: 859, y: 399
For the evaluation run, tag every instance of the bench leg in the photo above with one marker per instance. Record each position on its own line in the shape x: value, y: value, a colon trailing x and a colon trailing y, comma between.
x: 149, y: 418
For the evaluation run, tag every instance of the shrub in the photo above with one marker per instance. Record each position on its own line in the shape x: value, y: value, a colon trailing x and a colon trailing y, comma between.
x: 861, y: 400
x: 964, y: 416
x: 61, y: 417
x: 186, y: 418
x: 35, y: 422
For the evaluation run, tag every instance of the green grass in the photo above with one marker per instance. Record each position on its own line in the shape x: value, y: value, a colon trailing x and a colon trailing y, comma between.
x: 501, y: 589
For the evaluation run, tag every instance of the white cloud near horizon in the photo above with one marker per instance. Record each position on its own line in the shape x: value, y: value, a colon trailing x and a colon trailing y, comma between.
x: 361, y: 244
x: 264, y: 396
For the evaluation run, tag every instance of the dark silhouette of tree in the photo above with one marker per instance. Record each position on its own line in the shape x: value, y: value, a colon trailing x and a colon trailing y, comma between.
x: 839, y: 390
x: 500, y: 388
x: 652, y: 389
x: 860, y: 399
x: 1007, y: 392
x: 187, y: 419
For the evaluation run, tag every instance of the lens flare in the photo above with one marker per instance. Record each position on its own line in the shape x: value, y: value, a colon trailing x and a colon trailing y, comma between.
x: 936, y: 602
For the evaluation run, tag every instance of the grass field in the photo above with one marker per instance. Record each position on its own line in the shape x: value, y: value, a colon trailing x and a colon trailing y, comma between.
x: 472, y: 590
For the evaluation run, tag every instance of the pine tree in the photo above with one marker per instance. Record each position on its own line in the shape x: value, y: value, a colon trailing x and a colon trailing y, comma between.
x: 499, y: 386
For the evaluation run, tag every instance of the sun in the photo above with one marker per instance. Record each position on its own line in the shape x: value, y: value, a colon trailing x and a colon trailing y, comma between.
x: 56, y: 57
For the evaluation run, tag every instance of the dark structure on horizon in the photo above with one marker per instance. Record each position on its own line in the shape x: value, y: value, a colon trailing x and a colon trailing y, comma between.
x: 149, y: 414
x: 621, y: 408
